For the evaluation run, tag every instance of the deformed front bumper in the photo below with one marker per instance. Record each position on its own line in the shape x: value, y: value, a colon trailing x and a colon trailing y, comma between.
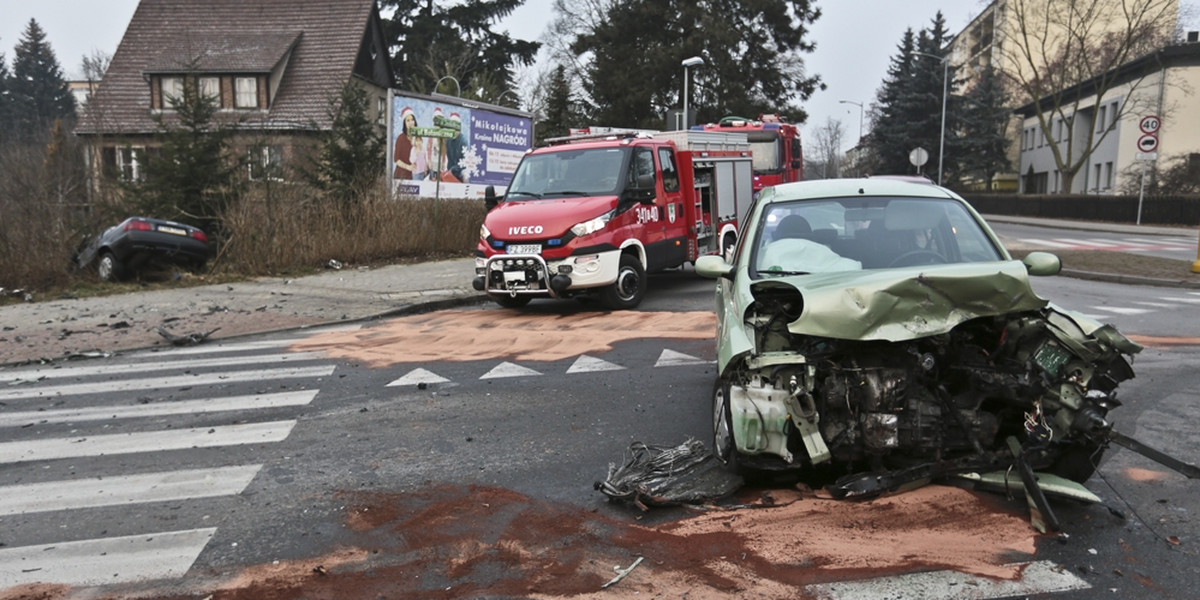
x: 533, y: 275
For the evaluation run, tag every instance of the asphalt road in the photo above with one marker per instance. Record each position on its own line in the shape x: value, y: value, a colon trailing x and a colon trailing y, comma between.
x: 330, y: 463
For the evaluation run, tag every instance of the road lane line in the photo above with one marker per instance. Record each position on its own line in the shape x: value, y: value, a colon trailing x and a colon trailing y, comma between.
x: 148, y: 441
x: 158, y: 409
x: 1041, y: 577
x: 125, y: 489
x: 43, y: 373
x: 128, y: 385
x: 1050, y: 243
x: 103, y: 561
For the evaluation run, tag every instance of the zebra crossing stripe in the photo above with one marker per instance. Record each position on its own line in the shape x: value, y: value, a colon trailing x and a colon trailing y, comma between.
x: 160, y: 409
x: 127, y: 385
x: 149, y: 441
x: 1046, y: 243
x: 104, y: 561
x: 1122, y: 310
x: 89, y: 370
x: 125, y: 489
x: 1094, y: 243
x: 1041, y: 577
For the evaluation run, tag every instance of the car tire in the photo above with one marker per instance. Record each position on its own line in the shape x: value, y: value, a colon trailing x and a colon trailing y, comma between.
x: 108, y: 267
x: 630, y: 287
x: 510, y: 301
x: 724, y: 447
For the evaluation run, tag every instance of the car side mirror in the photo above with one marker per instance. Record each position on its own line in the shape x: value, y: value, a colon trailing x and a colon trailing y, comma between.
x: 489, y: 197
x: 1042, y: 263
x: 714, y: 267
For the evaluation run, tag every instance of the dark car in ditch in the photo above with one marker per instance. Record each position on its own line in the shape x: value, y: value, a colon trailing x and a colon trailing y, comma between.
x: 878, y: 332
x: 140, y: 243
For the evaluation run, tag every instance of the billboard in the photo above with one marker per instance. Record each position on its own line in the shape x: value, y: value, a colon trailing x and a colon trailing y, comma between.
x: 453, y: 148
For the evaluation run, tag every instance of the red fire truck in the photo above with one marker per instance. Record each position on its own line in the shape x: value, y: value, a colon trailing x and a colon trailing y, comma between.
x: 592, y: 214
x: 774, y: 143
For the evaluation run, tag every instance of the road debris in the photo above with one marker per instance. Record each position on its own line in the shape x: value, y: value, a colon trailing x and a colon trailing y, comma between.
x: 621, y: 573
x: 665, y: 476
x: 190, y: 339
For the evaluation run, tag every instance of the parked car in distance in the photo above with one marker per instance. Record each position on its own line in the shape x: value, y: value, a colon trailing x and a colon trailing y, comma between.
x: 877, y: 330
x: 140, y: 243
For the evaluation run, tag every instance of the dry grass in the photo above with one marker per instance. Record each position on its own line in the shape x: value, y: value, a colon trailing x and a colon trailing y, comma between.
x: 1124, y: 263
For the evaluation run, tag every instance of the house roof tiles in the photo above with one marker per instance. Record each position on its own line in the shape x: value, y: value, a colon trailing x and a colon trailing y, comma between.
x: 231, y: 36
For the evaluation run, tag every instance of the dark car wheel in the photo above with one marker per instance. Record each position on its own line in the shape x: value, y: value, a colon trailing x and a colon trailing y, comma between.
x: 510, y: 301
x: 629, y: 288
x: 724, y: 447
x: 108, y: 267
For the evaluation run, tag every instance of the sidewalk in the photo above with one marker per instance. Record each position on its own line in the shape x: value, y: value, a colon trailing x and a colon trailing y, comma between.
x: 58, y: 329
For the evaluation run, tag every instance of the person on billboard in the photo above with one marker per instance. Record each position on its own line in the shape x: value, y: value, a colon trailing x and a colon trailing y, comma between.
x: 403, y: 151
x: 454, y: 154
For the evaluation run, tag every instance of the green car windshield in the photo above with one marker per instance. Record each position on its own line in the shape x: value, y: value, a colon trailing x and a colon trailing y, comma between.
x: 852, y: 234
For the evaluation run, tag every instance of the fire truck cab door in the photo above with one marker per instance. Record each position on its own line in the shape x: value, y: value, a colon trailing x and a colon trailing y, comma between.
x: 666, y: 241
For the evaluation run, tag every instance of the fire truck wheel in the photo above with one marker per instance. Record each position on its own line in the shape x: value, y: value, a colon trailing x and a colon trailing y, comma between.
x: 629, y: 288
x: 510, y: 301
x: 727, y: 245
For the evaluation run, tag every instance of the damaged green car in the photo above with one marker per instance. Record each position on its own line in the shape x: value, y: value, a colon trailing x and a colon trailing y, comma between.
x: 877, y: 331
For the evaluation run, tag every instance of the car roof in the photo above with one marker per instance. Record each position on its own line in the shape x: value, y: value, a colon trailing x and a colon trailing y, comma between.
x: 875, y: 186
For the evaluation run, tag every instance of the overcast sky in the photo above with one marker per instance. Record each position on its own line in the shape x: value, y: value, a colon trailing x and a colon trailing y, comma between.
x: 855, y: 40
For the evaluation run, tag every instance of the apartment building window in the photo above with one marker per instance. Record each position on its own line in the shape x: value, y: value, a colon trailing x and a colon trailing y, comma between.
x: 1057, y: 182
x: 266, y: 162
x: 245, y: 92
x: 1112, y: 114
x: 1096, y: 177
x: 1108, y: 175
x: 1101, y: 118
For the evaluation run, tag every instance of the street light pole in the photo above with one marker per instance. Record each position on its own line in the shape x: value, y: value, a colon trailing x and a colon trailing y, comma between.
x: 860, y: 116
x: 694, y: 61
x: 945, y: 87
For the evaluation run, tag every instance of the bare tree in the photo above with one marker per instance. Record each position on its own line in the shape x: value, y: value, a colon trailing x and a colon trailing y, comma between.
x: 1063, y: 56
x: 826, y: 157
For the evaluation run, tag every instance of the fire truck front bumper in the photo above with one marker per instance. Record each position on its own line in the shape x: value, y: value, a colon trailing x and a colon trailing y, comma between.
x: 533, y: 275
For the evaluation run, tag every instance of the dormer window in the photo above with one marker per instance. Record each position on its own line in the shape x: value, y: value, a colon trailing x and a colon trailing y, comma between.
x: 172, y: 89
x: 245, y: 92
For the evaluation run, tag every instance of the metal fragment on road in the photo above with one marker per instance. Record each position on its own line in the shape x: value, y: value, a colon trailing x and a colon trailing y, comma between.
x: 621, y: 573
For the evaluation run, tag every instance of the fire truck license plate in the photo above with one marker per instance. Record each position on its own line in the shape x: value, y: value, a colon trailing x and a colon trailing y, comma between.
x: 525, y: 249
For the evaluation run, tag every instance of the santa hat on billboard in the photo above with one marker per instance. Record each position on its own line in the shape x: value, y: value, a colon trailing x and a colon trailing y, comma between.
x: 437, y: 111
x: 404, y: 113
x: 454, y: 117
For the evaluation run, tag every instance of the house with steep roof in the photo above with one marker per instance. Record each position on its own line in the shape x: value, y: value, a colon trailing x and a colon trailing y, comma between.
x: 272, y: 66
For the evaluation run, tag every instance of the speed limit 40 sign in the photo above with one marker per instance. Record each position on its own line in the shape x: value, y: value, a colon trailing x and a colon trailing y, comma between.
x: 1150, y: 124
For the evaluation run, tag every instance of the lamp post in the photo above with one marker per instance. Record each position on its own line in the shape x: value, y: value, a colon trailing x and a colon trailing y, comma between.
x: 860, y: 116
x: 694, y: 61
x: 945, y: 86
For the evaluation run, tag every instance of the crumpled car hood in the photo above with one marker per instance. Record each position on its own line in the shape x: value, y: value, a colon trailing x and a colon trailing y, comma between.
x: 904, y: 304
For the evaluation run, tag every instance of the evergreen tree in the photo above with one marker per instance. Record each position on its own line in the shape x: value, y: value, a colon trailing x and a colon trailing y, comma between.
x: 5, y: 101
x: 191, y: 177
x: 39, y: 93
x: 351, y: 152
x: 436, y: 40
x: 561, y: 110
x: 752, y: 51
x: 909, y: 108
x: 985, y: 118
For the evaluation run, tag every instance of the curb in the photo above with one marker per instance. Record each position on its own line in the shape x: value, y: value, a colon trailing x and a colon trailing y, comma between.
x: 1129, y: 279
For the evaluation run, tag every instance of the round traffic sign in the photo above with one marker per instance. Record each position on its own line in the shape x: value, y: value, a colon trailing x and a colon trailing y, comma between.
x: 1149, y: 124
x: 1148, y: 143
x: 919, y: 156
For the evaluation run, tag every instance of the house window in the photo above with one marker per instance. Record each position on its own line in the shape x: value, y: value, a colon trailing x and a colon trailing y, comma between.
x: 380, y: 111
x: 1096, y: 178
x: 1101, y: 118
x: 266, y: 162
x: 245, y: 92
x: 172, y: 91
x: 1112, y: 113
x: 210, y: 87
x: 126, y: 163
x: 1108, y: 175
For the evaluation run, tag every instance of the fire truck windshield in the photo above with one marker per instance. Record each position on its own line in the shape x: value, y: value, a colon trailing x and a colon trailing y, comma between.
x: 569, y: 172
x: 767, y: 148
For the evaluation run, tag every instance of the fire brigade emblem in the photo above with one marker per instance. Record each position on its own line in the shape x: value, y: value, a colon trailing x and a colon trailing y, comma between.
x: 671, y: 213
